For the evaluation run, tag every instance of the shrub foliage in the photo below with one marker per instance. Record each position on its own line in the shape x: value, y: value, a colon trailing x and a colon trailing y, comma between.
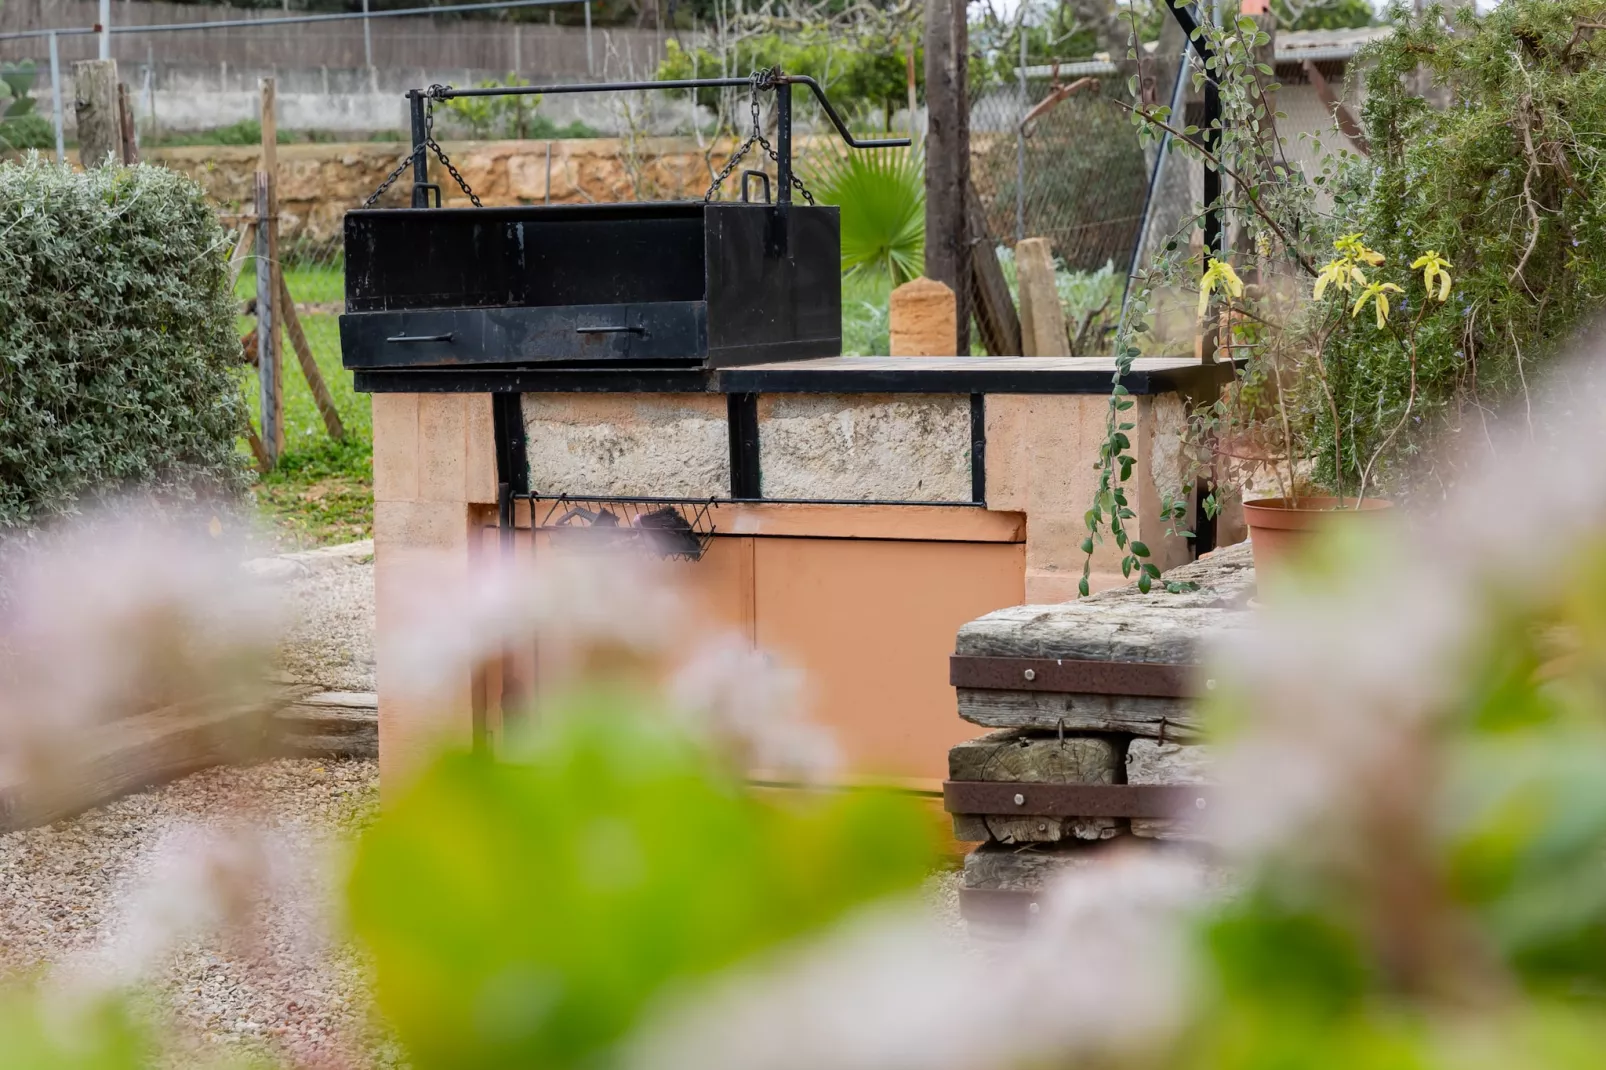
x: 116, y: 340
x: 1487, y: 137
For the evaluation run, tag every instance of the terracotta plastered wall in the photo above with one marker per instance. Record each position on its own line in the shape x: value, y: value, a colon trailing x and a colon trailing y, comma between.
x: 1041, y: 450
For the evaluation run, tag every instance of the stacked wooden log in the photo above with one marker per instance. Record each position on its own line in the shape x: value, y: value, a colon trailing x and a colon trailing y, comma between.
x: 1096, y: 734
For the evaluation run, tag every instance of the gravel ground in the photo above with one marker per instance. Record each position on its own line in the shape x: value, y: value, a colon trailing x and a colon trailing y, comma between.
x: 305, y: 998
x: 332, y: 641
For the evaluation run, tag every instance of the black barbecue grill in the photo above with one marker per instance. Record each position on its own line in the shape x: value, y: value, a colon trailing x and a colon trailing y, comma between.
x: 698, y: 284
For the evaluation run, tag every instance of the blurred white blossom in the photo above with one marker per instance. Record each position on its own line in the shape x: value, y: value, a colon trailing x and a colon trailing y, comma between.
x: 1105, y: 971
x: 451, y: 618
x: 751, y: 704
x: 119, y: 614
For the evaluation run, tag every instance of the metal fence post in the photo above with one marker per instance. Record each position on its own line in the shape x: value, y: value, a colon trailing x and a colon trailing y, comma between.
x: 1020, y: 144
x: 55, y: 100
x: 591, y: 63
x: 367, y: 38
x: 105, y: 29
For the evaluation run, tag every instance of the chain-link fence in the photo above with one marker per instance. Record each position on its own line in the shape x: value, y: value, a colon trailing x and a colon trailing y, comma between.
x: 1053, y: 156
x: 1060, y: 165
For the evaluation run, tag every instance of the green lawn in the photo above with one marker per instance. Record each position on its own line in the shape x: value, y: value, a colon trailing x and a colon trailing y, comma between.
x: 322, y: 491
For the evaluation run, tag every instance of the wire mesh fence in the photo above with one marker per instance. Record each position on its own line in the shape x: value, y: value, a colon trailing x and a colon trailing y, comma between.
x: 1061, y: 165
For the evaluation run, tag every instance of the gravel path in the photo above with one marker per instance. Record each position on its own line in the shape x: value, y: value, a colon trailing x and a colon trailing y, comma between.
x: 332, y: 641
x: 304, y: 999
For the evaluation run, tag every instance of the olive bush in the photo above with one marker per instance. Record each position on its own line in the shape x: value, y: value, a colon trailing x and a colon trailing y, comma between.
x: 116, y: 341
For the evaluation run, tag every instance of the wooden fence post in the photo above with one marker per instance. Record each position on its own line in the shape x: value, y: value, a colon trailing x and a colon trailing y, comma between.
x: 100, y: 127
x: 272, y: 407
x: 948, y: 157
x: 269, y: 310
x: 125, y: 127
x: 309, y: 366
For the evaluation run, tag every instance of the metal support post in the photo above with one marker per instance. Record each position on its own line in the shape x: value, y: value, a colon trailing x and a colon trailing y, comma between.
x: 367, y: 38
x: 105, y: 28
x: 55, y: 100
x: 415, y: 102
x: 783, y: 141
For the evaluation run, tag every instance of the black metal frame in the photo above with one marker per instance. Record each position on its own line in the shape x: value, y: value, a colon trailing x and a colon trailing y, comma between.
x: 1203, y: 539
x: 796, y: 378
x: 778, y: 81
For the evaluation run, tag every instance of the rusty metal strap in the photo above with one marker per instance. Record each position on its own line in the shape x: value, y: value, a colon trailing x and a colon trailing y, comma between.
x: 1072, y: 676
x: 998, y: 798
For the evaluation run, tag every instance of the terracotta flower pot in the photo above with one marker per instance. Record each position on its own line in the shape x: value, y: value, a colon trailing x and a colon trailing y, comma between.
x: 1281, y: 528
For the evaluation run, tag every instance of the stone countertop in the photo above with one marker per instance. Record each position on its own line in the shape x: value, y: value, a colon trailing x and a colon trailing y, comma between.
x: 1123, y: 624
x: 823, y: 375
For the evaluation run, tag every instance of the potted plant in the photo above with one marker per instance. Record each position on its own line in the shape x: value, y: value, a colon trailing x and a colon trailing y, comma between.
x: 1355, y: 354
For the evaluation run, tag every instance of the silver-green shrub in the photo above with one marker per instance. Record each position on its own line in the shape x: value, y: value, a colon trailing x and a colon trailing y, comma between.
x: 117, y: 336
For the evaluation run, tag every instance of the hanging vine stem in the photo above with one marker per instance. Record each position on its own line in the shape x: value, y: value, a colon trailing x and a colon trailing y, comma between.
x: 1248, y: 188
x: 1111, y: 509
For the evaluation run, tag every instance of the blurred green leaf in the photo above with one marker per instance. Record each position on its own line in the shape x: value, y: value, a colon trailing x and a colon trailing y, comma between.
x: 525, y: 912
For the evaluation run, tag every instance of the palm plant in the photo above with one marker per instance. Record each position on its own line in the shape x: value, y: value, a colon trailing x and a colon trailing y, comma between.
x: 882, y: 195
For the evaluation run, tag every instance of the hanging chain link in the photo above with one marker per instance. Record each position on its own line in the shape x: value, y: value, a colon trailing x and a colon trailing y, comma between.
x: 390, y: 179
x: 759, y: 80
x: 436, y: 92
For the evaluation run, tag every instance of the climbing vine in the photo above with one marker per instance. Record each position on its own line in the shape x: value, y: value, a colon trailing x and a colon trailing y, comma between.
x: 1356, y: 357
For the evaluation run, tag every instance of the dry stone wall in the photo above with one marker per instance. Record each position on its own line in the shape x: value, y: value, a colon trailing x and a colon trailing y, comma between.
x: 318, y: 184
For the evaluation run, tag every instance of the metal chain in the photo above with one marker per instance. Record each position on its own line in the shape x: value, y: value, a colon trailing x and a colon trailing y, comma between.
x: 763, y: 78
x: 390, y: 179
x: 436, y: 92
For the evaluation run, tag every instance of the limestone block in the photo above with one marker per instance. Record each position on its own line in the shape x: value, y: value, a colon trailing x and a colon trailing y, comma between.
x: 480, y: 486
x: 395, y: 447
x: 865, y: 447
x: 648, y: 445
x: 1035, y: 758
x: 1150, y: 761
x: 994, y: 866
x: 443, y: 447
x: 527, y: 176
x: 482, y: 167
x: 1042, y: 320
x: 922, y: 319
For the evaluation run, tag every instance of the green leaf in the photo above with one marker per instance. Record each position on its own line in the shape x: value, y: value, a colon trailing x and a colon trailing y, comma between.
x: 1140, y: 549
x: 1081, y: 587
x: 882, y: 197
x: 1151, y: 570
x: 528, y: 911
x: 1087, y: 545
x: 1144, y: 583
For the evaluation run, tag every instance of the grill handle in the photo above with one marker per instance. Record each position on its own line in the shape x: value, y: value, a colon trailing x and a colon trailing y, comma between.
x: 632, y: 329
x: 447, y: 337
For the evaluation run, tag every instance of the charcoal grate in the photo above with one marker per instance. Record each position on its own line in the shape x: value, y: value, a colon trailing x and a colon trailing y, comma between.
x: 674, y: 528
